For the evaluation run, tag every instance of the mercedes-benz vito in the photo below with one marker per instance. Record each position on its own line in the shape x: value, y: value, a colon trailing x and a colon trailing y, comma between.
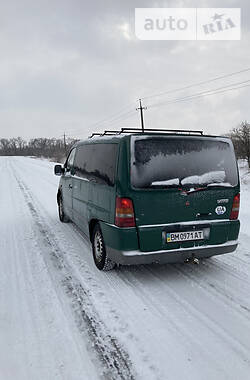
x: 152, y: 197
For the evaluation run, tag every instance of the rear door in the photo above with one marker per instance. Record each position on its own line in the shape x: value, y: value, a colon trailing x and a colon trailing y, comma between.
x: 178, y: 180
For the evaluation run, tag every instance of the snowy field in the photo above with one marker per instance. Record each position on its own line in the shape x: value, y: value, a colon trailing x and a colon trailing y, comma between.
x: 60, y: 318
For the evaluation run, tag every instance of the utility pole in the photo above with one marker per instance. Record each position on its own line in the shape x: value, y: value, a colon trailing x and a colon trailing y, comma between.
x: 64, y: 142
x: 141, y: 112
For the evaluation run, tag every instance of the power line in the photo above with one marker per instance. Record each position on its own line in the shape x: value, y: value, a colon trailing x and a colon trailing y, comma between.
x: 196, y: 84
x: 203, y: 93
x: 105, y: 120
x: 220, y: 92
x: 194, y: 96
x: 120, y: 118
x: 123, y: 117
x: 120, y: 114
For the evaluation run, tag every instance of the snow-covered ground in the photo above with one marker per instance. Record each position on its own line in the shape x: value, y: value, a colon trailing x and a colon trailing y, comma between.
x: 60, y: 318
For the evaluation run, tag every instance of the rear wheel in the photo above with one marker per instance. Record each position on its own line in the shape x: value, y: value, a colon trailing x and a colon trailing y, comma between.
x: 102, y: 261
x: 62, y: 216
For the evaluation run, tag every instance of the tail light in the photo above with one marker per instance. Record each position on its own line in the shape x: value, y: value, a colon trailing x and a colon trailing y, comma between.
x: 124, y: 212
x: 236, y: 207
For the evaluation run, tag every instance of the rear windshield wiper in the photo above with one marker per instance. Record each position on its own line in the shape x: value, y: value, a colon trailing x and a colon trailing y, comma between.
x: 174, y: 186
x: 206, y: 186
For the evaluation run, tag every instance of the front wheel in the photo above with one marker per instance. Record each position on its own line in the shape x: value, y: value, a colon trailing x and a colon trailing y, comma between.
x: 62, y: 216
x: 102, y: 261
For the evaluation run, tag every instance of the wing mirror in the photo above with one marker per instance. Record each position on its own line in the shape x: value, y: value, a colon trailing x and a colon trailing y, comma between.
x: 58, y: 170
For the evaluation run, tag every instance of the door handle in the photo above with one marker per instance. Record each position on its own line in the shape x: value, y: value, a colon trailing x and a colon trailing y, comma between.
x: 70, y: 186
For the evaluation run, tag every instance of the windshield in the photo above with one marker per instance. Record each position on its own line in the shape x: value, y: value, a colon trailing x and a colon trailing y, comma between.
x: 182, y: 161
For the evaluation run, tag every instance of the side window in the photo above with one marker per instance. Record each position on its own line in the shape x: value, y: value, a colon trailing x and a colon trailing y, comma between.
x: 97, y: 162
x: 80, y: 161
x: 70, y: 160
x: 103, y: 163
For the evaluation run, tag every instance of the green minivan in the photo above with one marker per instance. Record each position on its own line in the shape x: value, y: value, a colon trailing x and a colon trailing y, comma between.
x: 152, y: 197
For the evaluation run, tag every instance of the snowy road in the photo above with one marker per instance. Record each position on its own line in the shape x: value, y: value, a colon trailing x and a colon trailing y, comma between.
x: 60, y: 318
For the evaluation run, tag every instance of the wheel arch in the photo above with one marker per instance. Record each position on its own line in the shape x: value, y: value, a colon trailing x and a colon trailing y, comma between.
x: 92, y: 224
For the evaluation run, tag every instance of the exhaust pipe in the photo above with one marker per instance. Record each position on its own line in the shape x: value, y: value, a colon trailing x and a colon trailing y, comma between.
x: 193, y: 260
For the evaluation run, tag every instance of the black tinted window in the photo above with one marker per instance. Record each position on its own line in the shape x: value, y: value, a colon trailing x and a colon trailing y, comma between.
x: 70, y: 160
x: 182, y: 161
x: 96, y: 161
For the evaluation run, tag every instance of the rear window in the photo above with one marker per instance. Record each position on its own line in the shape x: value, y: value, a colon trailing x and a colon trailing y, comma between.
x: 177, y: 161
x: 96, y: 162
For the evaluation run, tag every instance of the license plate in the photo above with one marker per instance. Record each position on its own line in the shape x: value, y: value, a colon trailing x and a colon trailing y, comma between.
x: 184, y: 236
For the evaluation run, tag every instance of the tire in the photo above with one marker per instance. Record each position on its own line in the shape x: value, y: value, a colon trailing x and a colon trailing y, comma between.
x: 62, y: 216
x: 102, y: 261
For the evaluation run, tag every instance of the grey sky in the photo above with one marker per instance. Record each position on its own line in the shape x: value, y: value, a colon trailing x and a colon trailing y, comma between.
x: 66, y: 65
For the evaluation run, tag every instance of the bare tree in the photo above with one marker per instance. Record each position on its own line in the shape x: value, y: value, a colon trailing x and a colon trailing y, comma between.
x: 4, y: 147
x: 241, y: 140
x: 54, y: 149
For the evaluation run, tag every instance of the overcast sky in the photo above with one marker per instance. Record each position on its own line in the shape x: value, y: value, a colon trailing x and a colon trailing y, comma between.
x: 66, y: 65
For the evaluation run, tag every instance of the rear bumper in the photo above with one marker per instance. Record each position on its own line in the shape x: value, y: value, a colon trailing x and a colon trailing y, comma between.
x: 170, y: 256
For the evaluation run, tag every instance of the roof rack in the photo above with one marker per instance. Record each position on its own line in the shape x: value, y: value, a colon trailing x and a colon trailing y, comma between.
x: 111, y: 133
x: 95, y: 134
x: 139, y: 130
x: 189, y: 131
x: 105, y: 133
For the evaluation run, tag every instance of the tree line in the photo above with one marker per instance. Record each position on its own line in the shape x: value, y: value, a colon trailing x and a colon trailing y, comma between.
x: 52, y: 148
x: 57, y: 149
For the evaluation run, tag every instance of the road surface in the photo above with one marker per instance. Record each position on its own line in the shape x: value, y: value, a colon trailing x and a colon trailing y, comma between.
x: 61, y: 318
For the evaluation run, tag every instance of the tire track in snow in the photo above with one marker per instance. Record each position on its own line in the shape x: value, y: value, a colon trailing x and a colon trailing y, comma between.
x: 72, y: 244
x: 188, y: 309
x: 228, y: 268
x: 175, y: 324
x: 115, y: 360
x: 213, y: 287
x: 212, y: 324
